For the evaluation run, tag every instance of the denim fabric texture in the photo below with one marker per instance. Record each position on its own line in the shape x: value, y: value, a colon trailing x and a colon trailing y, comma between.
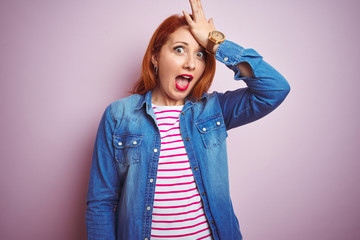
x: 126, y: 152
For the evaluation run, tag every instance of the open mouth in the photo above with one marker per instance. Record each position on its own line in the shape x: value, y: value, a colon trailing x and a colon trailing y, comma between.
x: 182, y: 81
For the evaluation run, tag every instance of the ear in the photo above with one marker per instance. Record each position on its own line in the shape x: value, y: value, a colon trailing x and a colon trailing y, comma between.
x: 154, y: 60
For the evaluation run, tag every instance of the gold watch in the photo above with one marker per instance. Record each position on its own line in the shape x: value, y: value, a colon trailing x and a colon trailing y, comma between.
x: 215, y: 37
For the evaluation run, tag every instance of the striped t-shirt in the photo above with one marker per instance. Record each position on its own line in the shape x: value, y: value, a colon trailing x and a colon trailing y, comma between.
x: 178, y: 211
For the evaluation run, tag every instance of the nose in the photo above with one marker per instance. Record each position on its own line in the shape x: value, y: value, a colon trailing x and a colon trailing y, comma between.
x: 189, y: 63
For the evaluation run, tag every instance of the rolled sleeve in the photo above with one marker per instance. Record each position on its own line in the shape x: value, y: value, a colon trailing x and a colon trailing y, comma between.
x: 231, y: 54
x: 264, y: 92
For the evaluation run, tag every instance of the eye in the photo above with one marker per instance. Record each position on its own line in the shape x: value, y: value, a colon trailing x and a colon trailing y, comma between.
x: 179, y: 49
x: 200, y: 54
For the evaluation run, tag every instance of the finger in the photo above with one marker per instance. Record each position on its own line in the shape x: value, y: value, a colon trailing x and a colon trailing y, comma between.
x: 201, y: 13
x: 211, y: 22
x: 193, y: 8
x: 200, y: 8
x: 188, y: 18
x: 196, y: 10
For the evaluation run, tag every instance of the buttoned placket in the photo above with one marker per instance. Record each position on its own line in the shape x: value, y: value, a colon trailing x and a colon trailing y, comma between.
x: 196, y: 170
x: 151, y: 181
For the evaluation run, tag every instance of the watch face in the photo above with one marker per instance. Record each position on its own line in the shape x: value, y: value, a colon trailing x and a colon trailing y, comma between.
x: 218, y: 35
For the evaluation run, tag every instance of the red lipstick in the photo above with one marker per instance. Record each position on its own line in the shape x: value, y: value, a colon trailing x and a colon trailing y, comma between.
x: 182, y: 81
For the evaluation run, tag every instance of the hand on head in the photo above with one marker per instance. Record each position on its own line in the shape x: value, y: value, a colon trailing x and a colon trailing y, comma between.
x: 199, y: 25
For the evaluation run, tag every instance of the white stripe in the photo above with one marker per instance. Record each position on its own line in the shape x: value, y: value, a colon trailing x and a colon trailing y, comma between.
x: 177, y: 198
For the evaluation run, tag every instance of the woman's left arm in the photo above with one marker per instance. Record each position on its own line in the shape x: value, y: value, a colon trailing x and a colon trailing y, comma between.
x: 200, y: 28
x: 265, y: 91
x: 266, y: 87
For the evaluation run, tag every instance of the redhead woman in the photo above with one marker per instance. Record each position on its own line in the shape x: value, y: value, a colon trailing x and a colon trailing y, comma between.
x: 159, y: 167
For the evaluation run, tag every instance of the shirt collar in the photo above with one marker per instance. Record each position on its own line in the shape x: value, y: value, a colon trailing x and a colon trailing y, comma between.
x: 146, y: 100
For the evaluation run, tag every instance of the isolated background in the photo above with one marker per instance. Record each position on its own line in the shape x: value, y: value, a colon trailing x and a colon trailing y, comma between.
x: 294, y: 174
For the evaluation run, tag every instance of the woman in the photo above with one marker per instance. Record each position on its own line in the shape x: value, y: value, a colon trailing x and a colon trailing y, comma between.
x: 159, y: 167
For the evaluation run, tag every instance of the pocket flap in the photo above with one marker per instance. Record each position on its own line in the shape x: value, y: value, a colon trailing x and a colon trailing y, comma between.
x: 210, y: 124
x: 127, y: 140
x: 212, y: 130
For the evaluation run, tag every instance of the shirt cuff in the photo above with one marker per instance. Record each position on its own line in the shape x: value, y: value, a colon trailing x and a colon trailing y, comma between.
x: 232, y: 54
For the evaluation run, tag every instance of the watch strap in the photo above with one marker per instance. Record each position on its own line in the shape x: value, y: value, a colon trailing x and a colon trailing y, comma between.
x: 210, y: 47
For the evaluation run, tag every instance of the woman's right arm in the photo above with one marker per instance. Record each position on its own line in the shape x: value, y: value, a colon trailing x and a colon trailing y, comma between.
x: 104, y: 185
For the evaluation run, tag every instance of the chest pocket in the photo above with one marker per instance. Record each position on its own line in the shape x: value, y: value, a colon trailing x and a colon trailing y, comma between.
x: 212, y: 130
x: 127, y: 148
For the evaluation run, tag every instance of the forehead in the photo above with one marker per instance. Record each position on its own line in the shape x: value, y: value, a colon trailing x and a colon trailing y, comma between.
x: 183, y: 34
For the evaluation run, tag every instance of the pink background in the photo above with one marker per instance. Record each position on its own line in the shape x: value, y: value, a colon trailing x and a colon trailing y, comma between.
x: 294, y: 174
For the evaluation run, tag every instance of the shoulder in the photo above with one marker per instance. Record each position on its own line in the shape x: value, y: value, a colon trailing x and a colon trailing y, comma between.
x: 211, y: 99
x: 125, y: 106
x: 209, y: 104
x: 132, y: 100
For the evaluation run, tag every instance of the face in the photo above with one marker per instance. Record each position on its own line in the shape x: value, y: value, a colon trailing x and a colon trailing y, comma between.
x: 181, y: 63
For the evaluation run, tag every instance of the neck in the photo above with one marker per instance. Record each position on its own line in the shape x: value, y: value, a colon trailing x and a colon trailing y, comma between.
x: 158, y: 97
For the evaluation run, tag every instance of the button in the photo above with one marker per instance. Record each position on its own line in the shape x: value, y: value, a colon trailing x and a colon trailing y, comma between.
x: 187, y: 139
x: 151, y: 180
x: 195, y: 168
x: 183, y: 113
x: 204, y: 129
x: 218, y: 123
x: 148, y: 208
x: 212, y: 222
x: 155, y: 150
x: 120, y: 143
x: 134, y: 142
x: 226, y: 59
x: 203, y: 193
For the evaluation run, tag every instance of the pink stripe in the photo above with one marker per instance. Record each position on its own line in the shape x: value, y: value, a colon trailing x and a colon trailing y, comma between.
x: 173, y: 162
x: 176, y: 199
x: 182, y: 176
x: 173, y: 135
x: 179, y: 206
x: 168, y: 149
x: 172, y: 141
x: 181, y: 220
x: 175, y: 155
x: 167, y: 124
x: 176, y: 214
x: 180, y: 191
x: 178, y: 228
x: 204, y: 237
x: 170, y: 129
x: 174, y: 184
x: 166, y: 118
x: 183, y: 235
x: 166, y: 111
x: 171, y: 170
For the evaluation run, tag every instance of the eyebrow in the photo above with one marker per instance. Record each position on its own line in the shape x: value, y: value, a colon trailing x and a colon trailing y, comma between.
x: 181, y: 42
x: 185, y: 43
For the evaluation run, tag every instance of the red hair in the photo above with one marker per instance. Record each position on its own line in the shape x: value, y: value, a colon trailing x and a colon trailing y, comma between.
x: 147, y: 81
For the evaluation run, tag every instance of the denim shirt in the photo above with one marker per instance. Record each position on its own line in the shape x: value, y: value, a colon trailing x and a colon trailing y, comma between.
x: 126, y: 152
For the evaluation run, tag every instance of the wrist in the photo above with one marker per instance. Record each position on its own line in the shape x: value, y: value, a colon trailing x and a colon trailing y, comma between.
x: 216, y: 46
